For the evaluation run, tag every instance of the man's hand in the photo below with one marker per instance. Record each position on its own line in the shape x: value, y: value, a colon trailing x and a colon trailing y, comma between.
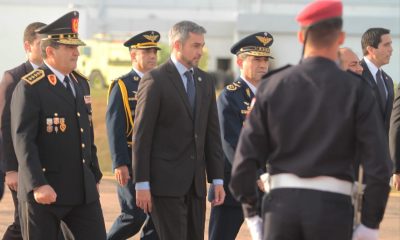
x: 396, y: 181
x: 219, y: 195
x: 122, y: 175
x: 260, y: 185
x: 44, y: 194
x: 12, y: 180
x: 143, y: 200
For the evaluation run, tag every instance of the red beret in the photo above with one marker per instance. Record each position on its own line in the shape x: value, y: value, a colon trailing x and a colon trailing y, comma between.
x: 318, y: 11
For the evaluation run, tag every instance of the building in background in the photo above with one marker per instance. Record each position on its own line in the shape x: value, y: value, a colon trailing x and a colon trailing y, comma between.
x: 225, y: 20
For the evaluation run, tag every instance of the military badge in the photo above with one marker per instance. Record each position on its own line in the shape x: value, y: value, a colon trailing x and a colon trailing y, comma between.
x: 56, y: 120
x: 33, y: 76
x: 151, y: 37
x: 263, y: 39
x: 231, y: 87
x: 52, y: 79
x: 49, y: 125
x: 136, y: 78
x: 248, y: 92
x: 63, y: 126
x: 74, y: 24
x: 88, y: 99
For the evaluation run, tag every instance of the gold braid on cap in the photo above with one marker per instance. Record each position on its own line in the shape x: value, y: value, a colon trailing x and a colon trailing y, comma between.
x: 62, y: 36
x: 146, y: 44
x: 255, y: 51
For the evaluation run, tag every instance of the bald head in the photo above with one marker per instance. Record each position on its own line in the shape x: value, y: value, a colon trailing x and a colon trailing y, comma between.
x: 349, y: 60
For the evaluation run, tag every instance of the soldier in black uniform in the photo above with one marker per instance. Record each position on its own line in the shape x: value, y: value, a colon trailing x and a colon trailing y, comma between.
x: 10, y: 79
x: 143, y: 49
x: 309, y: 122
x: 253, y: 54
x: 52, y: 132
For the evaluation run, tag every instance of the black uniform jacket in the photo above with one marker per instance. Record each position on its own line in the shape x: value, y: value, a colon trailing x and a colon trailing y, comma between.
x: 7, y: 86
x: 172, y: 147
x: 120, y: 112
x: 310, y: 120
x: 53, y: 137
x: 387, y: 112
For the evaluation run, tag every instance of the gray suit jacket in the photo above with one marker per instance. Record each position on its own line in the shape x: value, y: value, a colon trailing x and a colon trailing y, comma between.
x: 172, y: 148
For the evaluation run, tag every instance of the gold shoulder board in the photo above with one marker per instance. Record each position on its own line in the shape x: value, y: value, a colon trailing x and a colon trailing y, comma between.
x: 34, y: 76
x: 231, y: 87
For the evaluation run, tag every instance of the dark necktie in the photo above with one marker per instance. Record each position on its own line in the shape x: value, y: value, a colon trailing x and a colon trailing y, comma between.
x: 67, y: 82
x: 381, y: 88
x: 190, y: 88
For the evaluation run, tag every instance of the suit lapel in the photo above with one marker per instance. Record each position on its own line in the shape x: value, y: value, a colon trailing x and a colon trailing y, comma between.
x: 246, y: 90
x: 371, y: 80
x: 176, y: 79
x: 59, y: 88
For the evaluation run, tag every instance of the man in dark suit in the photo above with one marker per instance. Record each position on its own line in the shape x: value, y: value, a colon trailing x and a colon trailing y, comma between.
x: 253, y: 54
x: 309, y: 122
x: 176, y: 139
x: 52, y: 132
x: 349, y: 60
x: 10, y: 79
x: 377, y: 48
x: 143, y: 49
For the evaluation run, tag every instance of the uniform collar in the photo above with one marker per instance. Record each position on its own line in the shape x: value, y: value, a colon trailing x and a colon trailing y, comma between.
x: 251, y: 86
x: 138, y: 72
x: 58, y: 74
x: 34, y: 65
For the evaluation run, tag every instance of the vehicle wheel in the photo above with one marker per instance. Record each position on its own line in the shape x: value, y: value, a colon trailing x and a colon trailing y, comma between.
x: 97, y: 80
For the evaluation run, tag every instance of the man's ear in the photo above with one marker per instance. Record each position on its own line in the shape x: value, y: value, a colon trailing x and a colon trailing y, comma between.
x: 239, y: 62
x: 177, y: 46
x: 133, y: 54
x: 27, y: 46
x: 49, y: 51
x: 370, y: 50
x: 300, y: 36
x: 342, y: 36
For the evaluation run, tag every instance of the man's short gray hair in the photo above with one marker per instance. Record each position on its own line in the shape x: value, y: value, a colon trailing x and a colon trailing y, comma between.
x: 180, y: 31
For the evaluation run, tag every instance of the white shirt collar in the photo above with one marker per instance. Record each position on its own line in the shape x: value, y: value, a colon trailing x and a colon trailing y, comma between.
x: 58, y: 74
x: 251, y: 86
x: 34, y: 65
x: 138, y: 72
x: 371, y: 66
x: 179, y: 66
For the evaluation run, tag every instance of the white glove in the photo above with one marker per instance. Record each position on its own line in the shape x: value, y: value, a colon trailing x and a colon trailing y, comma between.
x: 364, y: 233
x: 255, y: 227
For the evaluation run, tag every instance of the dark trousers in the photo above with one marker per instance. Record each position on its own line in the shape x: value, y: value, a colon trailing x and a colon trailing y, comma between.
x: 132, y: 218
x: 180, y: 218
x: 300, y: 214
x: 40, y: 221
x: 13, y: 231
x: 225, y: 222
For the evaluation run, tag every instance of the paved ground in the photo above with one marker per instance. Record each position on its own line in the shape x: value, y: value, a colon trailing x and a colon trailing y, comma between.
x: 390, y: 228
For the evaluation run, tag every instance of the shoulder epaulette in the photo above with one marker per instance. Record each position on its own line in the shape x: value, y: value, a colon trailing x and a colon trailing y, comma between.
x: 270, y: 73
x: 34, y: 76
x: 234, y: 86
x: 81, y: 75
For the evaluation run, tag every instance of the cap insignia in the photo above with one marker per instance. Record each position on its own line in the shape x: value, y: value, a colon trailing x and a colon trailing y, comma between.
x: 151, y: 38
x: 264, y: 40
x: 74, y: 24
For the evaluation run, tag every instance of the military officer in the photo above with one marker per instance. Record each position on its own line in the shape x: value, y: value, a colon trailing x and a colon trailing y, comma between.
x: 252, y: 57
x: 143, y: 49
x: 308, y: 123
x: 52, y: 132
